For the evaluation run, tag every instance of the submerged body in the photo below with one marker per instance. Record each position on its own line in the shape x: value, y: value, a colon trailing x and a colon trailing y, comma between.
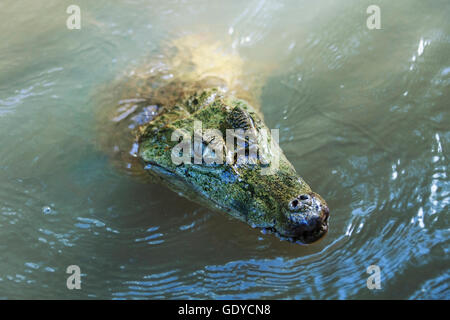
x: 207, y: 89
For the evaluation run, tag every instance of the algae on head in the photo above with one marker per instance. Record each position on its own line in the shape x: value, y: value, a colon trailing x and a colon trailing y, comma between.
x: 196, y: 79
x: 242, y: 190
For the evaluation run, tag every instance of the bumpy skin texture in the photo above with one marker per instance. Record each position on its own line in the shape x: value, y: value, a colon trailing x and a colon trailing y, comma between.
x: 280, y: 202
x: 197, y: 78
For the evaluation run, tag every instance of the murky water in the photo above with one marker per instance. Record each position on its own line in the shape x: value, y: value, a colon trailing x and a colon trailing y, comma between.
x: 363, y: 116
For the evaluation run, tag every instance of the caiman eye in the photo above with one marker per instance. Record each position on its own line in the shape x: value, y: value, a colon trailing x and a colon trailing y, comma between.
x: 294, y: 205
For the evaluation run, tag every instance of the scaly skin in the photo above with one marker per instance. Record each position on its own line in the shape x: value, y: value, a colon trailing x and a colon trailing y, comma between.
x: 269, y: 201
x: 194, y: 80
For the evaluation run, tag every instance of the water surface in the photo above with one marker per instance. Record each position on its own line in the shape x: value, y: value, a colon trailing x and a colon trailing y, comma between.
x: 363, y: 116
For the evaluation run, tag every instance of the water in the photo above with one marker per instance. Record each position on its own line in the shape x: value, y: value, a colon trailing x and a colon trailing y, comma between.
x: 363, y: 116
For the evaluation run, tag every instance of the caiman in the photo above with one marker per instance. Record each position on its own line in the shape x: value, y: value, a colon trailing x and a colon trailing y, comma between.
x: 193, y: 81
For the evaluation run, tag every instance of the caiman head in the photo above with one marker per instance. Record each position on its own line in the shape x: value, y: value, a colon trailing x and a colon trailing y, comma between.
x: 259, y: 187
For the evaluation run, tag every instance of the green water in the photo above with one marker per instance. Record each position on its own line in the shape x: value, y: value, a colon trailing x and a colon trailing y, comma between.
x: 363, y: 116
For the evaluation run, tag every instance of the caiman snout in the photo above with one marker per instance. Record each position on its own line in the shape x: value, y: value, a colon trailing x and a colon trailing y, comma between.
x: 309, y: 222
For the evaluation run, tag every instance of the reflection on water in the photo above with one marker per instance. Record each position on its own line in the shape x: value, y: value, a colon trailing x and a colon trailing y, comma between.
x: 363, y: 116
